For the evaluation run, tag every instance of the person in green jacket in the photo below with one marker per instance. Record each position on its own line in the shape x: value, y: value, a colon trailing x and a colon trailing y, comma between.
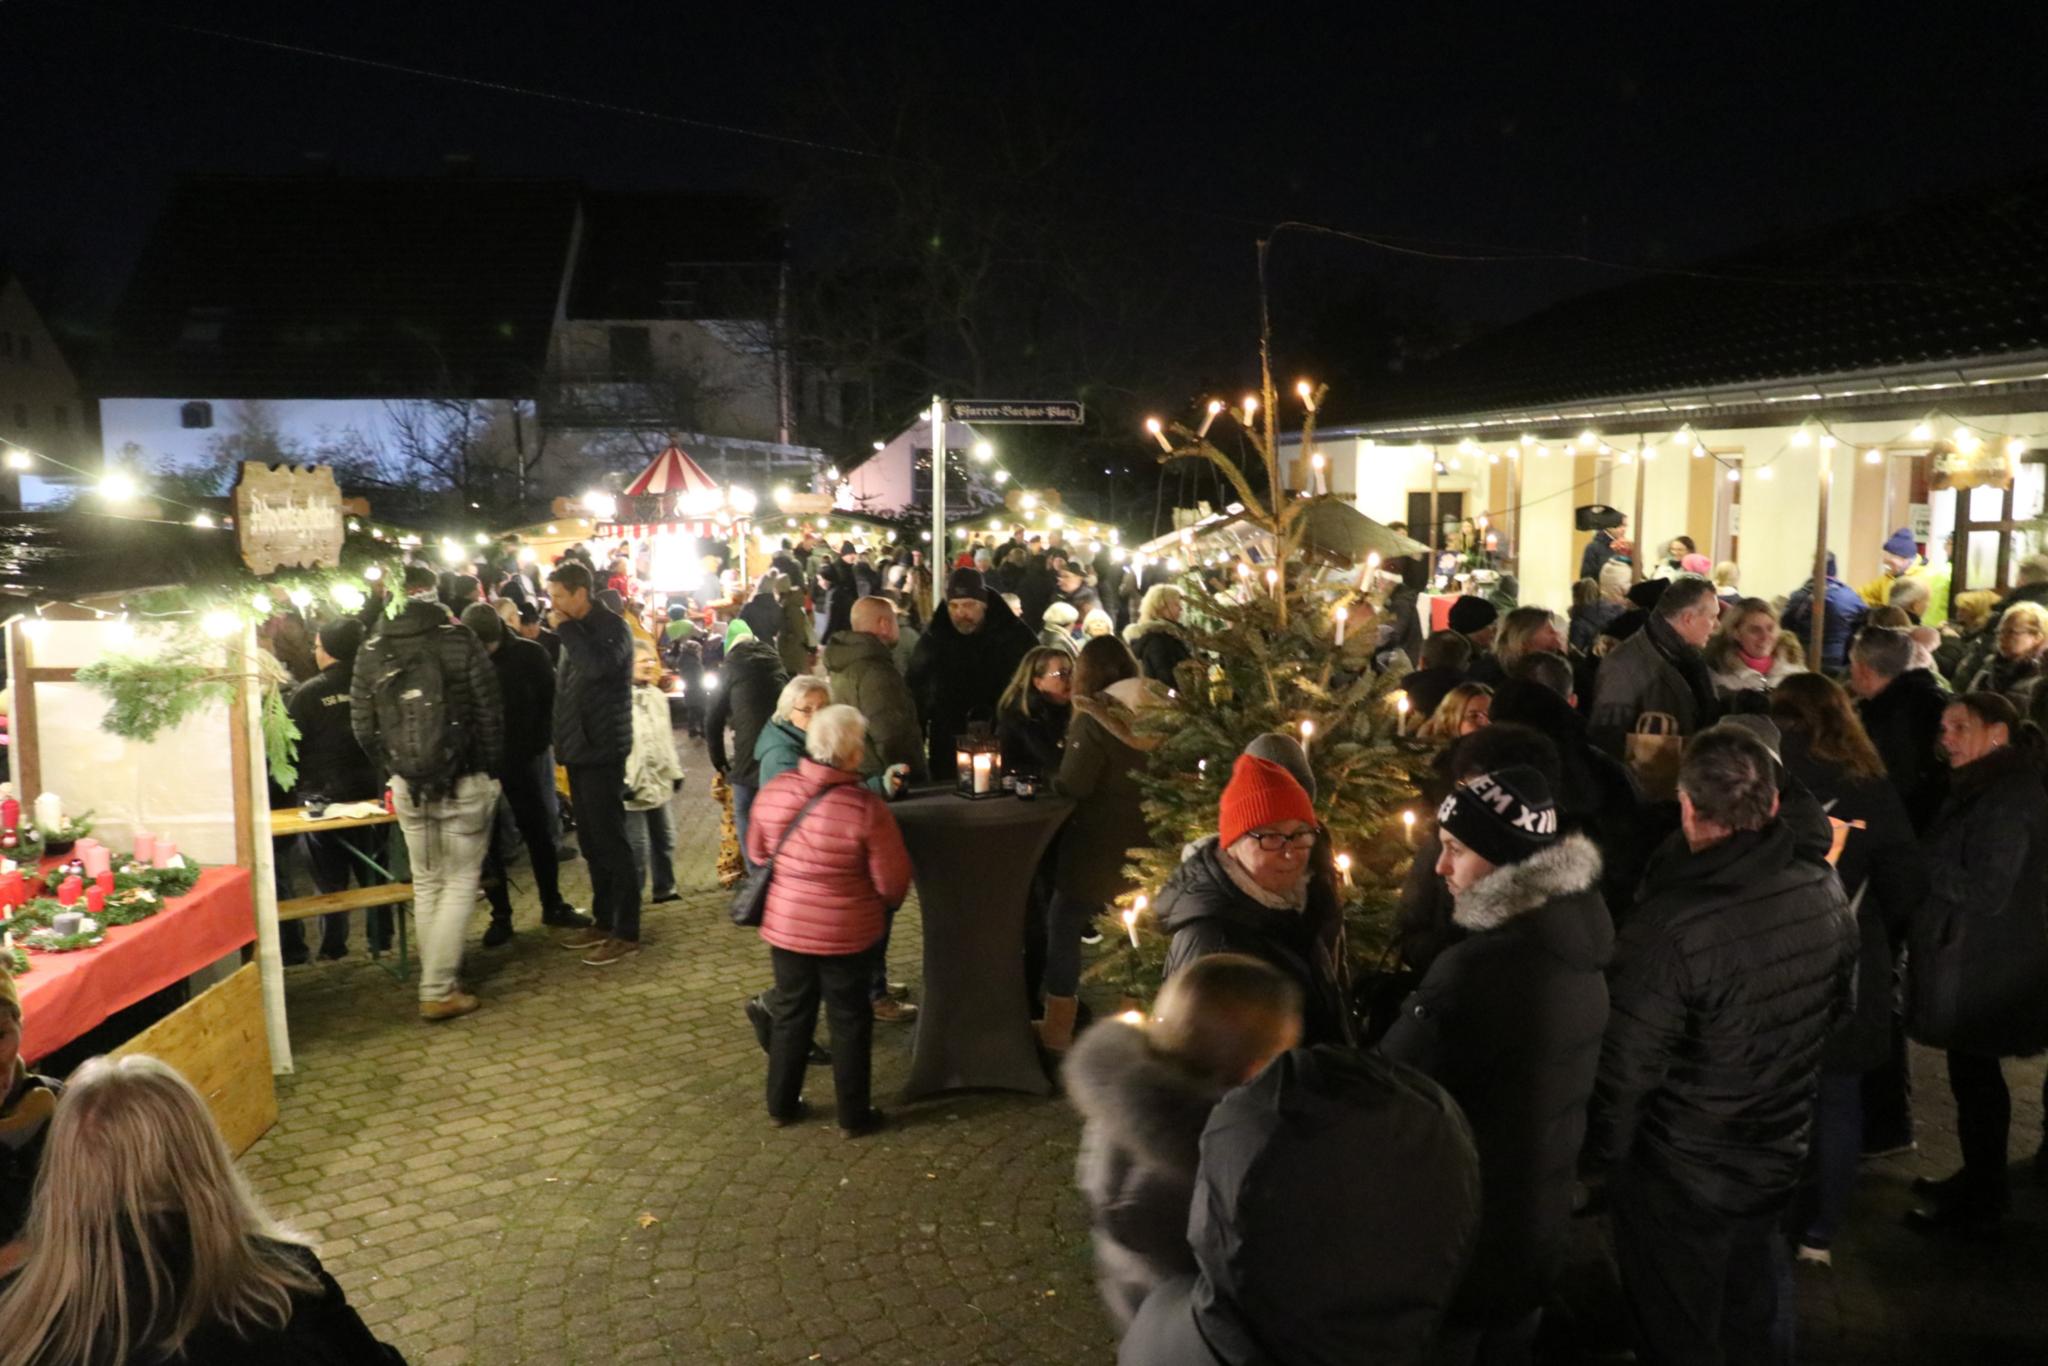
x: 862, y: 666
x: 795, y: 641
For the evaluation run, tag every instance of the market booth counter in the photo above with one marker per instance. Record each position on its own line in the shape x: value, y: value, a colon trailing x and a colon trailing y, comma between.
x: 191, y: 787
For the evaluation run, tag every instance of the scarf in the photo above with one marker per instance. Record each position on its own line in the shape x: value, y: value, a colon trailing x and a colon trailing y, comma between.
x: 1762, y: 666
x: 1242, y: 879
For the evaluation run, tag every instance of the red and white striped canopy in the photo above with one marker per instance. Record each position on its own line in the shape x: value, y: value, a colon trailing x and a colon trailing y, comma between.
x: 672, y: 472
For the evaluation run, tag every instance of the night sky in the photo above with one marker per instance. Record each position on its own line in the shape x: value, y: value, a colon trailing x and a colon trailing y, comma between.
x: 1629, y: 133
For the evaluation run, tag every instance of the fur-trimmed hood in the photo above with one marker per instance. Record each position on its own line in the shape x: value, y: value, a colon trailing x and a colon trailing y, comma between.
x: 1138, y: 1099
x: 1567, y: 868
x: 1118, y: 707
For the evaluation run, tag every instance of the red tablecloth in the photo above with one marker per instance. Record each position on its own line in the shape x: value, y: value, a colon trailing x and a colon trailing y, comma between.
x: 65, y: 994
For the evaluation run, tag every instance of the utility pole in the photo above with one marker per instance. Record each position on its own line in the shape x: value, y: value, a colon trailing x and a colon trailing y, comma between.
x: 940, y: 560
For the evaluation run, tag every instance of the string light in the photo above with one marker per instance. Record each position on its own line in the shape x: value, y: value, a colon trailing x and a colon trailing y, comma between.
x: 18, y: 459
x: 118, y: 487
x: 1922, y: 432
x: 1873, y: 456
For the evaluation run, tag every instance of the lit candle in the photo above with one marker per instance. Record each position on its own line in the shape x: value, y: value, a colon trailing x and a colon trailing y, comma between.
x: 1131, y: 925
x: 1344, y: 869
x: 1401, y: 707
x: 1133, y: 1017
x: 1408, y: 827
x: 1308, y: 733
x: 1215, y: 407
x: 1316, y: 462
x: 1342, y: 614
x: 984, y: 765
x: 1153, y: 426
x: 1273, y: 581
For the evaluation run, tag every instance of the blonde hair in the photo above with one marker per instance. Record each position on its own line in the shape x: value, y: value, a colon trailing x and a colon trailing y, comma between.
x: 1616, y: 577
x: 1157, y: 599
x: 1225, y: 1015
x: 1443, y: 723
x: 135, y: 1181
x: 796, y: 690
x: 1020, y: 695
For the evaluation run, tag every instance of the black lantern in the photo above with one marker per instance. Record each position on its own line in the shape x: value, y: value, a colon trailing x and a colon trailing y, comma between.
x: 978, y: 760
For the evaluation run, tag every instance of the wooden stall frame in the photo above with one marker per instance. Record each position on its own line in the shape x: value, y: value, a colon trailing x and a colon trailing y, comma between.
x: 217, y: 1042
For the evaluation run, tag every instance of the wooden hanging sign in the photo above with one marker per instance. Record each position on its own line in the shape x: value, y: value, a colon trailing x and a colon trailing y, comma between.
x: 288, y: 515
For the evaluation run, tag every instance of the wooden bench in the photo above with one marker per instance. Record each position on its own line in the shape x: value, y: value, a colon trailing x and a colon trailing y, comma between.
x: 293, y: 820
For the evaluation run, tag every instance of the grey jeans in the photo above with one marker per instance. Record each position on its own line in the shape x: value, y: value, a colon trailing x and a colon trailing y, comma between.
x: 652, y: 833
x: 447, y: 839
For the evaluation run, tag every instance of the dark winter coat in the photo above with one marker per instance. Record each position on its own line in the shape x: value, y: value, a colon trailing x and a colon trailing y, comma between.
x: 469, y: 688
x: 1729, y: 979
x: 332, y: 763
x: 1206, y: 912
x: 833, y: 600
x: 957, y: 679
x: 1159, y: 647
x: 24, y: 1128
x: 1597, y: 795
x: 1037, y: 591
x: 1509, y: 1021
x: 1652, y: 671
x: 1977, y: 965
x: 526, y: 684
x: 796, y: 640
x: 1097, y: 769
x: 1904, y: 722
x: 1845, y: 612
x: 1880, y: 860
x: 763, y: 615
x: 864, y: 676
x: 748, y: 689
x: 1404, y: 618
x: 1427, y: 688
x: 1033, y: 744
x: 1595, y: 556
x: 594, y: 690
x: 1141, y: 1132
x: 1589, y: 621
x: 1303, y: 1260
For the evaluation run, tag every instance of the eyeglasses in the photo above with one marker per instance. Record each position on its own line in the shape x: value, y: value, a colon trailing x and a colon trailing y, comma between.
x: 1303, y: 841
x: 1057, y: 673
x: 811, y: 710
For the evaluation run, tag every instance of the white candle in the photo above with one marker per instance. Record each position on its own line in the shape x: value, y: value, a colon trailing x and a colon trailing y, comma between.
x: 49, y: 813
x: 1308, y: 733
x: 983, y: 771
x: 1344, y: 869
x: 1408, y: 827
x: 1343, y: 614
x: 1273, y: 581
x: 1131, y: 925
x: 1316, y: 463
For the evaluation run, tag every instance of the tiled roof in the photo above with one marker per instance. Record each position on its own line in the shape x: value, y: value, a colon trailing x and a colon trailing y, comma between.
x: 328, y: 286
x: 1941, y: 280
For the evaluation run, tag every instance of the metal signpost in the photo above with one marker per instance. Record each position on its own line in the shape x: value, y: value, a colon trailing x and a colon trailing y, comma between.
x: 1013, y: 412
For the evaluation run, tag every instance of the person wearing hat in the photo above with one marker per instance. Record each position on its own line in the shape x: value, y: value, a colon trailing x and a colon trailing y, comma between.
x: 1610, y: 538
x: 1249, y: 889
x: 963, y: 662
x: 334, y: 768
x: 1729, y: 979
x: 27, y: 1101
x: 1903, y: 560
x: 1509, y: 1021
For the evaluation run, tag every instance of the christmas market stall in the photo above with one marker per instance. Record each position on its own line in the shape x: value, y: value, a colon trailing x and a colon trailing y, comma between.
x: 686, y: 523
x: 146, y: 724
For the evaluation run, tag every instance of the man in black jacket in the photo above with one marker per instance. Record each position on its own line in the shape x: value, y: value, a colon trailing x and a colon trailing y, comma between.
x: 963, y: 662
x: 333, y: 768
x: 749, y: 688
x: 593, y: 730
x: 1728, y: 980
x: 526, y: 685
x: 1509, y: 1021
x: 440, y: 752
x: 1901, y: 708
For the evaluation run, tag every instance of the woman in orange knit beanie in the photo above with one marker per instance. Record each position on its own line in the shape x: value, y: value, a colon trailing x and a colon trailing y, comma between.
x: 1252, y: 889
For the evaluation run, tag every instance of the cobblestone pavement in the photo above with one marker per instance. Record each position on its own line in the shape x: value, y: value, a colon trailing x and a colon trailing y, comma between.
x: 581, y: 1172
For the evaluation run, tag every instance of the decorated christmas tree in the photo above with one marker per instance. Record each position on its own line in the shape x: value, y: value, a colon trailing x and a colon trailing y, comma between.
x: 1285, y: 645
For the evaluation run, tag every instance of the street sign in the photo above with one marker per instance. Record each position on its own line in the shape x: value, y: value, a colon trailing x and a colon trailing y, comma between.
x: 1020, y: 412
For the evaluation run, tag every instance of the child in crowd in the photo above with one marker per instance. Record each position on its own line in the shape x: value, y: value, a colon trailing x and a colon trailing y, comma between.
x: 653, y: 776
x: 1144, y: 1093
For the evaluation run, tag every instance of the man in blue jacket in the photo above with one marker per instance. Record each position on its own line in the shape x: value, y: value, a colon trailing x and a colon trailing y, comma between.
x: 1843, y: 611
x: 593, y: 738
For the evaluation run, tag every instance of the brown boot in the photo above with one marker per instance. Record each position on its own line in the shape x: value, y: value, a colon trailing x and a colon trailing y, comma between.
x: 1056, y: 1030
x: 451, y: 1006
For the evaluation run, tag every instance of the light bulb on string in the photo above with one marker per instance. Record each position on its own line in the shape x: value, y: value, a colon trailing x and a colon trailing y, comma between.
x: 1735, y: 476
x: 1922, y: 432
x: 1873, y: 456
x: 1802, y: 437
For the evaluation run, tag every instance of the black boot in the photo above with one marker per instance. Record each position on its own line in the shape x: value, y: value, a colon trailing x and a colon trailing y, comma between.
x: 499, y: 931
x: 757, y: 1016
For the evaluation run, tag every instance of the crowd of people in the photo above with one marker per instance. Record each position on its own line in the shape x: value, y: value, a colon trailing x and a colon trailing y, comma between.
x: 1686, y: 896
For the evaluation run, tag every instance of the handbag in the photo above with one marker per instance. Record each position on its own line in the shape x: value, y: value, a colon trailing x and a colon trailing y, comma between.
x: 1654, y: 750
x: 750, y: 899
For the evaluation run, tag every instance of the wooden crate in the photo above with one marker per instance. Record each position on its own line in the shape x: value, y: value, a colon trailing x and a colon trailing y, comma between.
x: 217, y: 1042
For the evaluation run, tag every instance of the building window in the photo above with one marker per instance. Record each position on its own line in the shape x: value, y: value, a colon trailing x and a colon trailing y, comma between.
x: 21, y: 416
x: 196, y: 415
x: 632, y: 351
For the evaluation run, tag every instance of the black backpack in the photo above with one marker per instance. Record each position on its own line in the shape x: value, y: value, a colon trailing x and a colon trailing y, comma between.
x: 408, y: 691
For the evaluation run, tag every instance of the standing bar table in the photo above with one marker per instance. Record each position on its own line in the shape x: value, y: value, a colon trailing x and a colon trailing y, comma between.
x: 973, y: 862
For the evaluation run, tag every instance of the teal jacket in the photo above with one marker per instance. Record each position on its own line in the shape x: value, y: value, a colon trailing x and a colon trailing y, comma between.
x: 781, y: 745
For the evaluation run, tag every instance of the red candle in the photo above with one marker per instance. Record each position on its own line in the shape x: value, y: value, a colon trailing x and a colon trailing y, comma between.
x: 69, y: 890
x: 13, y: 888
x: 105, y: 883
x: 95, y: 900
x: 10, y: 814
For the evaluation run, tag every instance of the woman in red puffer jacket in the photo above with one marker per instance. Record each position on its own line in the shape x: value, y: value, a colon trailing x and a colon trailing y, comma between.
x: 839, y: 872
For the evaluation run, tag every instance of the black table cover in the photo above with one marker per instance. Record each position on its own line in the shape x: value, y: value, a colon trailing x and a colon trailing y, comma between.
x: 973, y: 862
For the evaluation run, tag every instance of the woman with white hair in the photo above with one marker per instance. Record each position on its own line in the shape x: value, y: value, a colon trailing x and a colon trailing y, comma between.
x: 1056, y: 627
x: 1155, y: 637
x: 146, y: 1245
x: 840, y: 865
